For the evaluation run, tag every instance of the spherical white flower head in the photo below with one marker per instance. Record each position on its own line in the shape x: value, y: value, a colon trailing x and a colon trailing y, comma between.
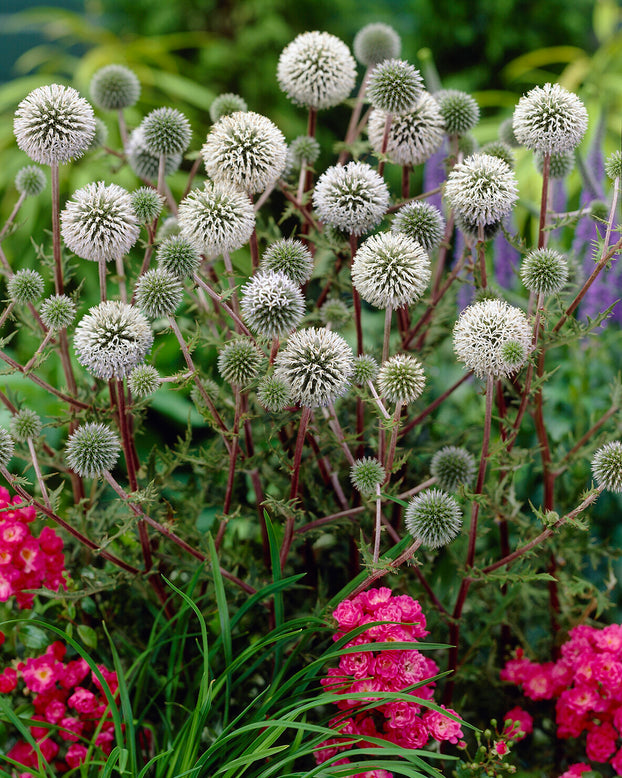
x: 112, y: 339
x: 166, y: 131
x: 394, y: 86
x: 114, y: 87
x: 317, y: 365
x: 460, y: 111
x: 550, y: 119
x: 144, y: 162
x: 434, y: 517
x: 226, y: 103
x: 367, y: 474
x: 492, y: 338
x: 353, y: 198
x: 316, y: 70
x: 245, y: 150
x: 216, y: 219
x: 413, y: 136
x: 482, y: 189
x: 272, y: 304
x: 401, y: 379
x: 92, y: 450
x: 607, y: 466
x: 422, y: 222
x: 391, y: 269
x: 53, y: 124
x: 376, y: 42
x: 291, y: 257
x: 452, y: 466
x: 100, y: 223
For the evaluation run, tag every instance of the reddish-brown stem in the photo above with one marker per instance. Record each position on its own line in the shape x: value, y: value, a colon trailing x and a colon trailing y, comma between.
x: 387, y: 332
x: 234, y: 450
x: 388, y: 465
x: 356, y: 299
x: 35, y: 379
x: 423, y: 196
x: 481, y: 255
x: 329, y: 283
x: 254, y: 247
x: 193, y: 171
x: 293, y: 493
x: 385, y: 141
x: 12, y: 216
x: 405, y: 182
x: 442, y: 255
x: 351, y: 133
x: 589, y: 434
x: 59, y: 286
x: 222, y: 304
x: 546, y: 169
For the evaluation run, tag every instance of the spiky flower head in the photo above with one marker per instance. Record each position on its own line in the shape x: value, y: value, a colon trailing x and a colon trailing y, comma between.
x: 365, y: 369
x: 99, y: 223
x: 92, y: 450
x: 25, y: 424
x: 58, y: 311
x: 452, y: 466
x: 335, y: 313
x: 317, y: 364
x: 316, y: 70
x: 114, y: 87
x: 166, y: 131
x: 482, y: 333
x: 471, y: 228
x: 239, y: 361
x: 422, y: 222
x: 245, y: 150
x: 613, y: 165
x: 482, y: 189
x: 273, y: 393
x: 607, y: 466
x: 289, y: 256
x: 226, y: 103
x: 401, y: 379
x: 178, y: 256
x: 366, y: 475
x: 158, y: 293
x: 390, y: 269
x: 303, y: 150
x: 506, y: 132
x: 376, y: 42
x: 433, y: 517
x: 144, y: 162
x: 497, y: 148
x: 25, y: 286
x: 7, y: 446
x: 147, y: 204
x: 460, y: 111
x: 353, y: 197
x: 30, y: 181
x: 101, y: 134
x: 561, y: 165
x: 413, y: 136
x: 272, y: 304
x: 53, y: 124
x: 144, y: 380
x: 394, y: 86
x: 216, y: 219
x: 550, y: 119
x: 112, y: 339
x: 544, y: 271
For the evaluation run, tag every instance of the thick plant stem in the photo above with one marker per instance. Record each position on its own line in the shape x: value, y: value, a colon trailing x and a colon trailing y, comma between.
x: 40, y: 382
x: 385, y: 141
x: 442, y: 255
x: 122, y: 279
x: 546, y: 170
x: 378, y: 527
x: 240, y: 326
x: 231, y: 281
x: 122, y: 127
x: 13, y: 214
x: 405, y: 182
x: 161, y: 175
x: 387, y: 332
x: 254, y: 247
x: 388, y: 465
x: 293, y: 493
x: 356, y: 299
x: 39, y: 474
x: 234, y: 450
x: 59, y: 285
x: 481, y: 255
x: 103, y: 296
x: 351, y: 132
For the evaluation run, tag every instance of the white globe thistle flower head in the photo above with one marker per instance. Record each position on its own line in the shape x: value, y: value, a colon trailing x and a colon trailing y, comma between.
x: 144, y: 162
x: 7, y: 447
x: 100, y: 223
x: 607, y: 466
x: 289, y: 256
x: 482, y: 189
x: 166, y: 131
x: 158, y: 293
x: 239, y: 361
x: 92, y: 450
x: 422, y: 222
x: 272, y: 304
x: 216, y: 219
x: 434, y: 517
x: 53, y: 124
x: 353, y: 197
x: 413, y: 136
x: 376, y: 42
x: 460, y: 111
x: 394, y: 86
x: 550, y: 119
x: 492, y: 338
x: 401, y: 379
x: 544, y: 271
x: 316, y: 70
x: 452, y: 466
x: 245, y: 150
x: 391, y: 269
x: 114, y: 87
x: 112, y: 339
x: 317, y: 364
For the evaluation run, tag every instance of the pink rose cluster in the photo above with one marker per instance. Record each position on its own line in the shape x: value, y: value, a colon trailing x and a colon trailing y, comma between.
x: 67, y: 695
x: 407, y: 724
x: 586, y: 681
x: 26, y: 562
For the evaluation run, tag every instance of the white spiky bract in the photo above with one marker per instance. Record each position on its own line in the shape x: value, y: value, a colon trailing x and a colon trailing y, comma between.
x: 401, y: 379
x: 607, y: 466
x: 53, y: 124
x: 482, y: 334
x: 92, y: 450
x: 216, y: 219
x: 100, y: 223
x: 413, y: 136
x: 434, y: 517
x: 352, y: 198
x: 482, y: 189
x: 58, y: 311
x: 272, y: 304
x: 245, y: 150
x: 391, y: 269
x: 317, y: 364
x: 316, y: 70
x: 550, y: 119
x: 112, y: 339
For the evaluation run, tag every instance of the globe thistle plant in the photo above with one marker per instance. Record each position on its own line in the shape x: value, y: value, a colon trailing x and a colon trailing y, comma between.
x: 367, y: 475
x: 353, y: 198
x: 613, y: 165
x: 245, y: 150
x: 273, y: 393
x: 452, y: 466
x: 482, y: 189
x: 316, y: 70
x: 7, y: 447
x: 216, y: 219
x: 239, y: 362
x: 112, y: 339
x: 272, y: 304
x: 225, y: 104
x: 561, y: 164
x: 99, y: 223
x: 25, y: 286
x: 289, y: 256
x: 544, y: 271
x: 158, y: 293
x: 497, y: 148
x: 25, y: 424
x: 53, y: 124
x: 144, y: 162
x: 166, y: 131
x: 471, y: 228
x: 433, y: 517
x: 317, y: 364
x: 92, y: 450
x: 401, y: 379
x: 391, y: 269
x: 482, y: 333
x: 422, y: 222
x: 144, y: 380
x: 335, y: 313
x: 147, y: 204
x: 394, y: 86
x: 459, y: 110
x: 178, y: 256
x: 376, y: 42
x: 58, y: 312
x: 413, y: 136
x: 114, y: 87
x: 303, y: 150
x: 365, y: 369
x: 30, y: 181
x: 550, y: 119
x: 607, y: 466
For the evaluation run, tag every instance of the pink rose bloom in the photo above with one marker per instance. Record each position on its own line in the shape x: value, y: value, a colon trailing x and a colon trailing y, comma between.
x: 414, y: 736
x: 601, y: 742
x: 374, y: 774
x: 401, y: 714
x: 8, y: 680
x: 13, y: 534
x: 54, y: 711
x: 387, y: 665
x: 584, y: 667
x: 576, y: 770
x: 109, y: 676
x: 581, y: 698
x: 517, y: 670
x: 518, y: 724
x: 104, y: 741
x: 441, y: 727
x: 71, y: 728
x: 413, y: 667
x: 617, y: 718
x: 82, y: 700
x: 24, y: 754
x: 569, y: 722
x: 49, y: 541
x: 49, y: 748
x: 348, y: 614
x: 539, y: 684
x: 390, y: 611
x: 74, y: 673
x: 609, y: 639
x: 41, y: 673
x: 411, y: 609
x: 608, y: 672
x: 501, y: 747
x: 616, y: 762
x: 369, y: 685
x: 372, y: 598
x: 76, y: 754
x: 359, y: 665
x: 327, y: 750
x: 562, y: 675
